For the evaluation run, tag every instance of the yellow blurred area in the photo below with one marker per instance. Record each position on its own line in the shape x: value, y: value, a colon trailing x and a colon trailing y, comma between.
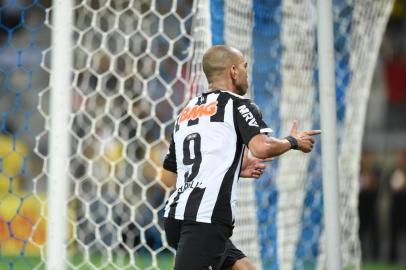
x: 113, y: 151
x: 22, y: 226
x: 22, y: 213
x: 12, y: 153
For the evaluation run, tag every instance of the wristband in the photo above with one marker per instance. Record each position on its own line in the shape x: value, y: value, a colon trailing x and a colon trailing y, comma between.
x: 293, y: 142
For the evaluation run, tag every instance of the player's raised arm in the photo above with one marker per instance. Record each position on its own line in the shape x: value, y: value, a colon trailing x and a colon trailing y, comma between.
x: 263, y: 146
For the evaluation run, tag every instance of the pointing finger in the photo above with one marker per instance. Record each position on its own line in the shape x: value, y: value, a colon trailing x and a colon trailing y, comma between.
x: 312, y: 132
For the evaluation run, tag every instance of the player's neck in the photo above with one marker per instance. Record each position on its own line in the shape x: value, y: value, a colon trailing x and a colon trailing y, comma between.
x: 222, y: 85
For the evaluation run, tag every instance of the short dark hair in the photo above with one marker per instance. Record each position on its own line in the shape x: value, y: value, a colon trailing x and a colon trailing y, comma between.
x: 217, y: 59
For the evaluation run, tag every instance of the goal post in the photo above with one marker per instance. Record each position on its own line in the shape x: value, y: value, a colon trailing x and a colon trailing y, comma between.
x: 59, y: 139
x: 325, y: 42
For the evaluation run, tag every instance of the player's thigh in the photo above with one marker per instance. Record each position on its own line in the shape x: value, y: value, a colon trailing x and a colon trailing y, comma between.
x: 243, y: 264
x: 201, y: 246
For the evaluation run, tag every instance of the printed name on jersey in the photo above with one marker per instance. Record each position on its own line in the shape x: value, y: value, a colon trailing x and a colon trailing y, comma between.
x: 187, y: 185
x: 197, y: 111
x: 248, y: 116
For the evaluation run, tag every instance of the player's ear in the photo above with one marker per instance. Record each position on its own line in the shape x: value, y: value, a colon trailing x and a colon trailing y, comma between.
x: 234, y: 72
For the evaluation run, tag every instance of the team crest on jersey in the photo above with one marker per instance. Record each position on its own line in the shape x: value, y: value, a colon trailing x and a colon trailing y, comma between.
x: 196, y: 111
x: 248, y: 116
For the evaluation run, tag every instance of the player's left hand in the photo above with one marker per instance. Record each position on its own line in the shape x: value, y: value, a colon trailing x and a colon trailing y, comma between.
x: 252, y: 167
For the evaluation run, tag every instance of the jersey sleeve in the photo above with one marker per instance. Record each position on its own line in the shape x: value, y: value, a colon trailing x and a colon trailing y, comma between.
x: 248, y: 120
x: 170, y: 158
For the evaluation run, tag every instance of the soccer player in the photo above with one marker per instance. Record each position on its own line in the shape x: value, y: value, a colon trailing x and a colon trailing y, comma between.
x: 251, y: 167
x: 205, y: 153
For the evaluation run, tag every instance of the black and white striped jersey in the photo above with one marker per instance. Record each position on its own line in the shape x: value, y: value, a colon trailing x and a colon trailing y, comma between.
x: 206, y: 153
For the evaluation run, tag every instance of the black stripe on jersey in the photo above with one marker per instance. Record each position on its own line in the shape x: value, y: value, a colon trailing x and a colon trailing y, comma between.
x: 193, y: 203
x: 170, y: 158
x: 176, y: 126
x: 171, y: 192
x: 201, y: 100
x: 222, y: 211
x: 177, y: 120
x: 221, y: 104
x: 173, y: 205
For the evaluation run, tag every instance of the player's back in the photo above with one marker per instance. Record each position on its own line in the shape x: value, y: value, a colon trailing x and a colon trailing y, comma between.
x: 208, y: 157
x: 206, y: 152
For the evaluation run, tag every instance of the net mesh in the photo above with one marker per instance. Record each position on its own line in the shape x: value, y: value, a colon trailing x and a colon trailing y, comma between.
x: 129, y: 83
x: 287, y: 91
x: 281, y: 39
x: 23, y: 37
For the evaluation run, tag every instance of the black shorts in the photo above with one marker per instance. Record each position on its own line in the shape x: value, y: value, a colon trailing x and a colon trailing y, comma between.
x: 231, y: 255
x: 201, y: 246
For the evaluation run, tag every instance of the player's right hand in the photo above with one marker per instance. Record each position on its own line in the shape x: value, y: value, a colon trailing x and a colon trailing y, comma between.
x: 304, y: 138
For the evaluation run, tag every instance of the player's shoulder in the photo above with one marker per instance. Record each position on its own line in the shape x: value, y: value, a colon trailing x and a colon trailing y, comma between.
x: 232, y: 95
x: 240, y: 102
x: 223, y: 96
x: 244, y: 104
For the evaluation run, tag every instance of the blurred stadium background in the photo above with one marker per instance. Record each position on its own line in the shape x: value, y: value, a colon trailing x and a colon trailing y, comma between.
x: 133, y: 70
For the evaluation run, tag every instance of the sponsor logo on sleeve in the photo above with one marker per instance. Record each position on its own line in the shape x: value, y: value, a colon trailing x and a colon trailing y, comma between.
x: 248, y: 116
